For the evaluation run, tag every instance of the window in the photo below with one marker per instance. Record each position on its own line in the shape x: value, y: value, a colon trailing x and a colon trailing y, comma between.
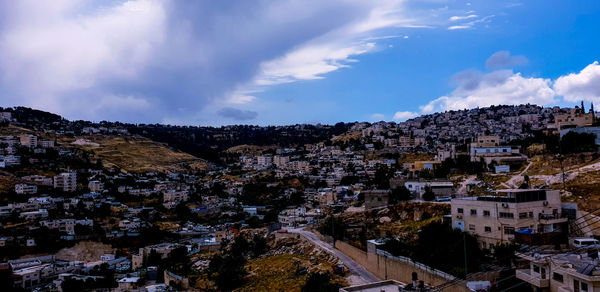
x: 507, y: 215
x: 488, y: 229
x: 509, y: 230
x: 460, y: 210
x: 536, y: 269
x: 584, y: 287
x: 557, y: 277
x: 473, y: 211
x: 471, y: 227
x: 530, y: 214
x: 486, y: 213
x: 575, y: 285
x: 523, y: 215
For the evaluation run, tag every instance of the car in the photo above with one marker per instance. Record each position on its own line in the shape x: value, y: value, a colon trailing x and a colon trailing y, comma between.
x: 443, y: 199
x: 586, y: 242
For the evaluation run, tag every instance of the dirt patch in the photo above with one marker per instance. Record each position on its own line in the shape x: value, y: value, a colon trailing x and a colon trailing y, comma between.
x: 86, y: 251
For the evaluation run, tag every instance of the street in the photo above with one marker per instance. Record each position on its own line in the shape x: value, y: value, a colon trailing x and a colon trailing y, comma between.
x: 363, y: 275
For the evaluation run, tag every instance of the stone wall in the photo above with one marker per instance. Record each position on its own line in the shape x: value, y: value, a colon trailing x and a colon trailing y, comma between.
x: 385, y: 266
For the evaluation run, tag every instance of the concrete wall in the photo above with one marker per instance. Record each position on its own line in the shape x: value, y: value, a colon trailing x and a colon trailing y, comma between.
x: 385, y: 267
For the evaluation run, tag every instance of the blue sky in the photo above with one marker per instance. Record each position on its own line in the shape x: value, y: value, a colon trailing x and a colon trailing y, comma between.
x: 285, y: 62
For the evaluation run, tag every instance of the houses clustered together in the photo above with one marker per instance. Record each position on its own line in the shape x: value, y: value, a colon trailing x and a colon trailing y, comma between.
x: 56, y: 189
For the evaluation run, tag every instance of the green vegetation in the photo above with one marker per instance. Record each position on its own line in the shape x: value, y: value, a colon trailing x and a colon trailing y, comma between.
x: 447, y: 255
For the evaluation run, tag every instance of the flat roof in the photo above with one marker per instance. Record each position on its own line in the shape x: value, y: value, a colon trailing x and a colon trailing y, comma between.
x: 383, y: 286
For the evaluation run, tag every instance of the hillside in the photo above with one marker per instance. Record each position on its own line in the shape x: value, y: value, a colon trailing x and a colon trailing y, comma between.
x: 134, y: 154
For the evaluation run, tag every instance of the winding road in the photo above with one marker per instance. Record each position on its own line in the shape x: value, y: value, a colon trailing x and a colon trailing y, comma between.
x: 363, y: 276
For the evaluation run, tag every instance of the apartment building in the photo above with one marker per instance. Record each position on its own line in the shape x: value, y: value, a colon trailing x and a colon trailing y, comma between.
x: 576, y: 118
x: 66, y: 225
x: 30, y: 141
x: 574, y: 271
x: 5, y: 116
x: 46, y: 143
x: 175, y: 196
x: 25, y: 189
x: 281, y: 161
x: 376, y: 198
x: 439, y: 188
x: 264, y: 160
x: 96, y: 186
x: 66, y: 181
x: 163, y: 249
x: 496, y: 218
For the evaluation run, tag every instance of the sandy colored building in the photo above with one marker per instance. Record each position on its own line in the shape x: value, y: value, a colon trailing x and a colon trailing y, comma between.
x: 560, y: 272
x: 495, y: 219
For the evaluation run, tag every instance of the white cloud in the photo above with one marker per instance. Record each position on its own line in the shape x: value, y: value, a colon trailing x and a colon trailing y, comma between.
x: 240, y: 97
x: 454, y: 27
x: 404, y: 115
x: 377, y: 117
x: 584, y: 85
x: 503, y: 59
x: 498, y: 87
x: 174, y: 59
x: 471, y: 23
x: 455, y: 18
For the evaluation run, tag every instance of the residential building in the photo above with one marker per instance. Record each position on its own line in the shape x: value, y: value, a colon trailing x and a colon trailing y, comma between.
x: 96, y: 186
x: 264, y: 160
x: 376, y: 198
x: 66, y: 225
x: 575, y: 118
x: 572, y: 271
x: 497, y: 218
x: 175, y: 196
x: 30, y: 141
x: 46, y: 143
x: 439, y: 188
x: 25, y: 189
x: 66, y: 181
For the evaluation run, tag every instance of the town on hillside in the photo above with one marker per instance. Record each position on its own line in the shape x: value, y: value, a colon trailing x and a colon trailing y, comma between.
x: 501, y: 198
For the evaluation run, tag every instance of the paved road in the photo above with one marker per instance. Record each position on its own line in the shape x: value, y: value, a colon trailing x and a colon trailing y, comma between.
x: 364, y: 275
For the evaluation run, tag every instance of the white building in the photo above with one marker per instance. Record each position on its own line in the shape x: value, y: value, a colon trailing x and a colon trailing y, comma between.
x: 496, y: 219
x: 25, y: 189
x: 96, y: 186
x: 67, y: 181
x: 175, y: 196
x: 30, y: 141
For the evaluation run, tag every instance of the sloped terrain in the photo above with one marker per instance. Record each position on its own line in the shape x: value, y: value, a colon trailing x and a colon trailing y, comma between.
x: 135, y: 154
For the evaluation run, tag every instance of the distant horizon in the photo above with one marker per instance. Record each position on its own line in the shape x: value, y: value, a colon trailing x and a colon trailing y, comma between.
x: 289, y: 62
x: 313, y: 124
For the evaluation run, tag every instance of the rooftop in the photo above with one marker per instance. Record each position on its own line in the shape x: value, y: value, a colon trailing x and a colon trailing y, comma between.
x: 383, y: 286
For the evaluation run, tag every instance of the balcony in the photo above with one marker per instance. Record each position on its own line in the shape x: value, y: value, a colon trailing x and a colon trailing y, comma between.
x: 545, y: 238
x: 551, y: 218
x: 525, y: 275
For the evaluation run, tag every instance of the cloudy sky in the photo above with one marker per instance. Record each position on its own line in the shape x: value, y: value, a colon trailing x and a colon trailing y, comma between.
x: 293, y: 61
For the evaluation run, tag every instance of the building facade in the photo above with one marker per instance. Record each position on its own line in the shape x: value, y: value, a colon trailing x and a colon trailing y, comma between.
x: 496, y: 219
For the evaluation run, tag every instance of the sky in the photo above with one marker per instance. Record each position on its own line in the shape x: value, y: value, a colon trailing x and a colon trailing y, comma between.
x: 211, y: 63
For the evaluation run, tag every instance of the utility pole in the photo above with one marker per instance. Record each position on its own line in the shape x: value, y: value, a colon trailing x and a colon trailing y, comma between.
x: 562, y: 169
x: 333, y: 230
x: 465, y: 251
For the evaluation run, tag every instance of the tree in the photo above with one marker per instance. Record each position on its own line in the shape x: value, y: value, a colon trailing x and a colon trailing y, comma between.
x: 448, y: 254
x: 73, y: 285
x: 258, y: 245
x: 338, y: 229
x: 382, y: 177
x: 178, y: 261
x: 319, y: 282
x: 227, y: 271
x: 429, y: 195
x: 183, y: 212
x: 153, y: 259
x: 573, y: 142
x: 399, y: 194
